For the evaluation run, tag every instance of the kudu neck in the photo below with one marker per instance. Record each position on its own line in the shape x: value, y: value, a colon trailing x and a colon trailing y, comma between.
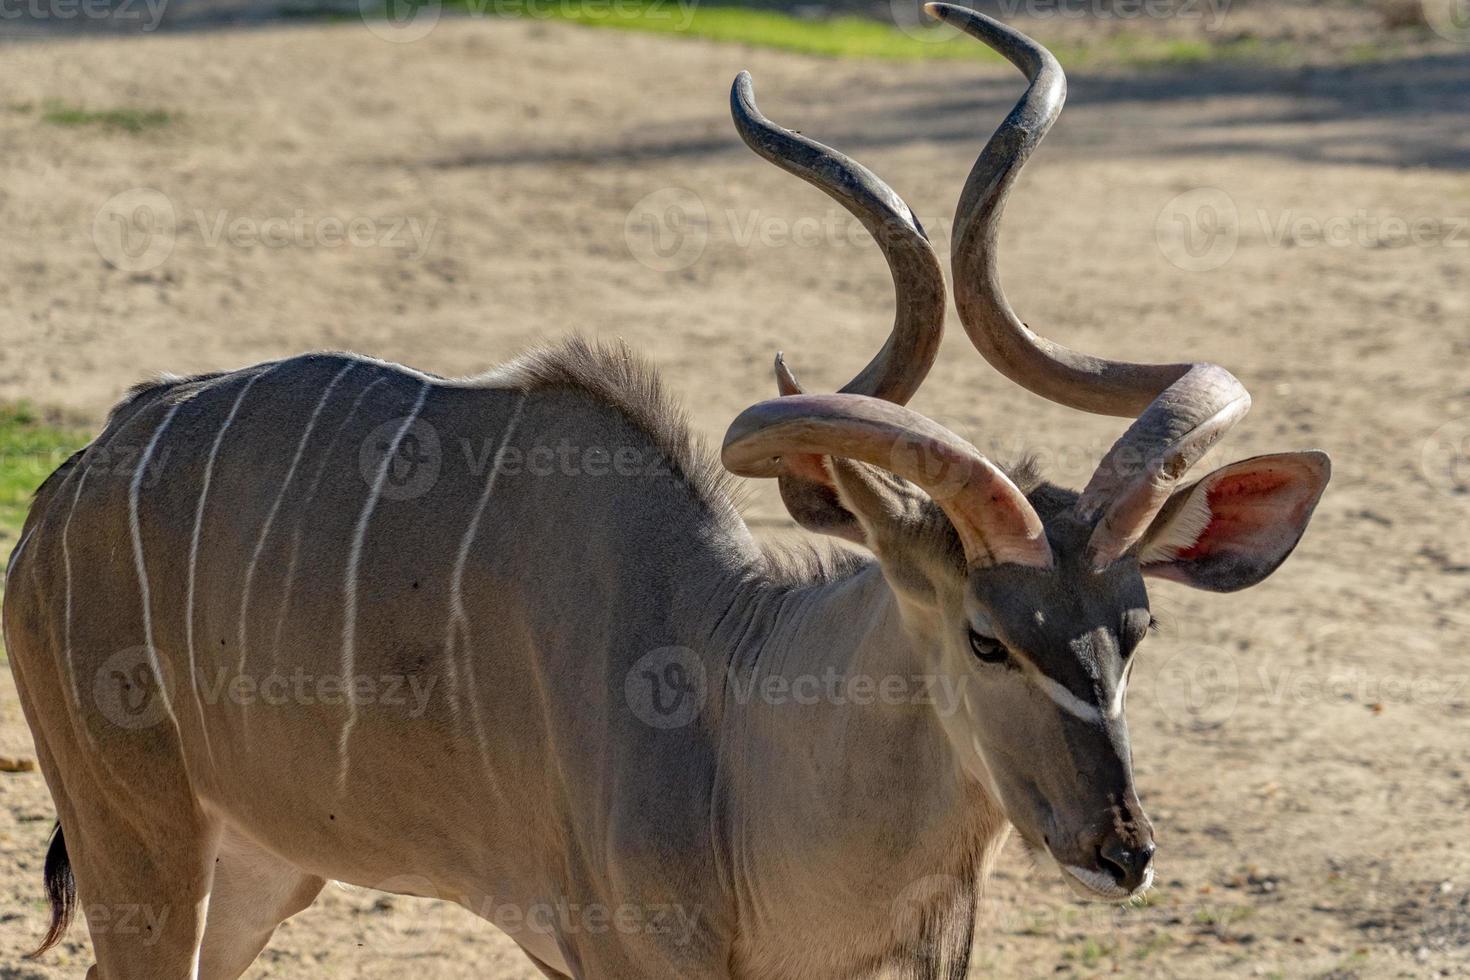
x: 829, y: 713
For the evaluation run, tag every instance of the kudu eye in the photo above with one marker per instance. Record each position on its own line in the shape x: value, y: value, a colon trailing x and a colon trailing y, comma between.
x: 988, y: 648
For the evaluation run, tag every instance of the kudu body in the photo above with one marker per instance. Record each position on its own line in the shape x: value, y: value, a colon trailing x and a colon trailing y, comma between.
x: 507, y: 642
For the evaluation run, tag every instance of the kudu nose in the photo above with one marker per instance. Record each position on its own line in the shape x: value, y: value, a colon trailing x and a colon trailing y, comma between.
x: 1128, y: 861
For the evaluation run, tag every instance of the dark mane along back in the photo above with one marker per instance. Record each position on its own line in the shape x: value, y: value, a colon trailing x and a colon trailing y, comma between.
x: 615, y: 376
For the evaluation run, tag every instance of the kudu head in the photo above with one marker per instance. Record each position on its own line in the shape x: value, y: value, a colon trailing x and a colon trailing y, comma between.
x: 1034, y: 599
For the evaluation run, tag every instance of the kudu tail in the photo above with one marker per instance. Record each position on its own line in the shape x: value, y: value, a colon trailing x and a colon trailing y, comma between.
x: 61, y: 892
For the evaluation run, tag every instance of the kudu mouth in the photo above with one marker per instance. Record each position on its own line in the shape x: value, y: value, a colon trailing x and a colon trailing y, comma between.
x: 1110, y: 865
x: 1104, y: 854
x: 1116, y: 872
x: 1101, y: 885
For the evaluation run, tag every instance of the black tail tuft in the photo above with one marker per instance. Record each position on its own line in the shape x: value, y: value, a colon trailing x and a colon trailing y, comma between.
x: 61, y: 892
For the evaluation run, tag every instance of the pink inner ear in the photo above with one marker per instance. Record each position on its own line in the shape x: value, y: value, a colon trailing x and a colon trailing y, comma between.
x: 807, y: 466
x: 1246, y: 504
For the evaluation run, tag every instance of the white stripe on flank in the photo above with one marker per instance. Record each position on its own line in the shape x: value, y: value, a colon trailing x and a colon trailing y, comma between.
x: 219, y: 439
x: 459, y: 620
x: 137, y: 535
x: 456, y: 580
x: 24, y: 540
x: 289, y: 579
x: 71, y: 668
x: 349, y: 587
x: 270, y: 517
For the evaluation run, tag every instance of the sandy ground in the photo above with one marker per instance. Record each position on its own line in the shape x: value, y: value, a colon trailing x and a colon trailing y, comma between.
x: 1304, y: 748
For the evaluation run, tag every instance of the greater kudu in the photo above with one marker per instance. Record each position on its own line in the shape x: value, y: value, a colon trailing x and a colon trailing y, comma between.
x: 614, y: 737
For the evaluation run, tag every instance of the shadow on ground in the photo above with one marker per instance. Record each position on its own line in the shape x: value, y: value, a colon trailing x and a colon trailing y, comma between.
x: 1408, y: 113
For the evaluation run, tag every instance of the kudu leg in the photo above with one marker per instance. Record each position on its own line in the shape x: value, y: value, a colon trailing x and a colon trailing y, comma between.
x: 137, y: 843
x: 142, y: 889
x: 254, y: 892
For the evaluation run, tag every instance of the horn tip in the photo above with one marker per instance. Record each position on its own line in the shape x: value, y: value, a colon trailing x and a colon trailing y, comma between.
x: 742, y: 104
x: 951, y: 13
x: 786, y: 381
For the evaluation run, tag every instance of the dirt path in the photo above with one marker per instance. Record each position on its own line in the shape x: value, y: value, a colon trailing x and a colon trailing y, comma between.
x: 1304, y: 749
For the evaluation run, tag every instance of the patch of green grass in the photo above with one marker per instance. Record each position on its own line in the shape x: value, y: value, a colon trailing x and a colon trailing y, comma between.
x: 1156, y: 943
x: 31, y: 447
x: 1146, y: 51
x: 836, y: 37
x: 1222, y: 916
x: 1376, y: 50
x: 124, y: 120
x: 846, y: 36
x: 1089, y: 953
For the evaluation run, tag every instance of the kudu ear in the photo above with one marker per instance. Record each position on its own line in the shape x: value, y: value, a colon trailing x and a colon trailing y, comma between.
x: 911, y: 532
x: 886, y: 509
x: 895, y: 520
x: 1237, y: 525
x: 811, y: 498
